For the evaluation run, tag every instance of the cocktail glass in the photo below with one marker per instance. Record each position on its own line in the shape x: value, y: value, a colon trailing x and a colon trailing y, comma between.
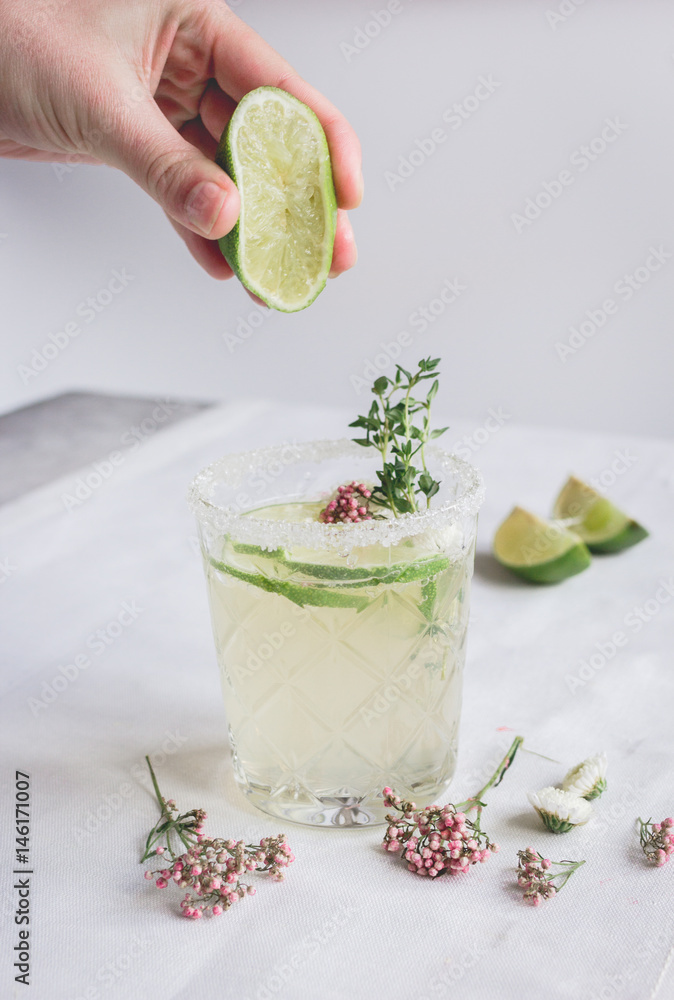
x: 341, y: 647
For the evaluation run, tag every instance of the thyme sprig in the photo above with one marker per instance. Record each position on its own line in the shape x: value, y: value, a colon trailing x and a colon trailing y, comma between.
x: 399, y: 427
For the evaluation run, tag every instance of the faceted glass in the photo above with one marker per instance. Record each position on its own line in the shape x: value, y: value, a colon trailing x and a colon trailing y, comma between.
x: 341, y: 647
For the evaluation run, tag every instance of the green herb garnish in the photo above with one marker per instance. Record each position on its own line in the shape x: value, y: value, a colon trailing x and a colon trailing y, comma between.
x: 398, y: 426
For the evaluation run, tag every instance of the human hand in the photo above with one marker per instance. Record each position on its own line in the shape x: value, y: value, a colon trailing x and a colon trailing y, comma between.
x: 148, y: 87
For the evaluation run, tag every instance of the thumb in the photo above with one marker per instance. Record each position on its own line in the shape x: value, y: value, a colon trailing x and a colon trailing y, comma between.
x: 189, y: 187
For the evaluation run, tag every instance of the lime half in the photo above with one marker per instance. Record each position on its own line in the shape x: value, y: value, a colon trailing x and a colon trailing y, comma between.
x: 274, y: 149
x: 539, y: 551
x: 602, y: 526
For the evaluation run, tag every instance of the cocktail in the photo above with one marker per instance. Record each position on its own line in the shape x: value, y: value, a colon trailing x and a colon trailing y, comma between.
x: 341, y: 645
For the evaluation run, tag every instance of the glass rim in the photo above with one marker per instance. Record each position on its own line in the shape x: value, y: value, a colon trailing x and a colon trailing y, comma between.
x: 270, y: 534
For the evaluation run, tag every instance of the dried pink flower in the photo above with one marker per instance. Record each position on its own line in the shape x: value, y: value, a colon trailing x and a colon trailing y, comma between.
x: 210, y: 868
x: 535, y: 876
x: 657, y: 840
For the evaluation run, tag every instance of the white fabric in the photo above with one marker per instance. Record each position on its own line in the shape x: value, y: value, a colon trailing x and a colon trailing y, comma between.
x: 350, y: 921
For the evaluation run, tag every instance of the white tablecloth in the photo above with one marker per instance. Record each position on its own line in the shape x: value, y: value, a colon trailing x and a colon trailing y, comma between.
x: 349, y: 922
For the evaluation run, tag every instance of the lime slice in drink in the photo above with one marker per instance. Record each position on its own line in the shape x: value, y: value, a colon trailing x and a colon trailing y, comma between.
x: 275, y: 151
x: 539, y: 551
x: 602, y: 526
x: 297, y: 593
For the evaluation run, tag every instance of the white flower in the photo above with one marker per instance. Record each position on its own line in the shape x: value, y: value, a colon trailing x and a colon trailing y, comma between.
x: 560, y: 810
x: 587, y: 779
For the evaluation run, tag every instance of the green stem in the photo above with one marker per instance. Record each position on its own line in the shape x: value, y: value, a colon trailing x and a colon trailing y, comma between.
x: 475, y: 801
x: 406, y: 460
x: 156, y: 786
x: 644, y: 832
x: 565, y: 875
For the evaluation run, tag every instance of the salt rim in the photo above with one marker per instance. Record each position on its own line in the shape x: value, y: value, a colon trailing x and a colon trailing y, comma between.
x: 269, y: 534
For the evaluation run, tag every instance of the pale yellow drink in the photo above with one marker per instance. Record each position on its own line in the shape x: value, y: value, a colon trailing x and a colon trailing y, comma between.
x: 341, y: 646
x: 340, y: 675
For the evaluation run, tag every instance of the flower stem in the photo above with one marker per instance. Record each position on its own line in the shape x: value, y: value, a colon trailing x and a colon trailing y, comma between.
x: 156, y: 786
x: 565, y: 875
x: 497, y: 777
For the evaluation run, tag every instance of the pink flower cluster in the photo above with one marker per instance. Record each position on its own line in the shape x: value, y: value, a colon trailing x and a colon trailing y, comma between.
x: 657, y: 841
x: 436, y: 840
x: 533, y: 876
x: 212, y: 869
x: 347, y: 507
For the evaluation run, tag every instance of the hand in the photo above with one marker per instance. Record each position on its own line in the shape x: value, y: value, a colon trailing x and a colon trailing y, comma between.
x: 148, y: 86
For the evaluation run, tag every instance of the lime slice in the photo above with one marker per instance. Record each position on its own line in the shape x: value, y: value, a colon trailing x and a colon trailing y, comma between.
x: 602, y: 526
x: 356, y: 576
x: 297, y: 593
x: 539, y: 551
x: 274, y: 149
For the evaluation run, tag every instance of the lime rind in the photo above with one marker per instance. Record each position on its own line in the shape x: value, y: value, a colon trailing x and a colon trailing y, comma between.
x: 329, y: 586
x: 631, y: 534
x: 356, y: 576
x: 429, y: 593
x: 574, y: 561
x: 268, y: 135
x: 539, y: 551
x: 297, y: 593
x: 602, y: 526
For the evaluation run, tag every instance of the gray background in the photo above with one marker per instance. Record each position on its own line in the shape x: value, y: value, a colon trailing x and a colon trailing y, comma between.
x: 167, y: 331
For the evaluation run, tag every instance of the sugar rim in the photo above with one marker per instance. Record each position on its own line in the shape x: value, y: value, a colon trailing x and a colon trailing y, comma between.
x: 270, y: 534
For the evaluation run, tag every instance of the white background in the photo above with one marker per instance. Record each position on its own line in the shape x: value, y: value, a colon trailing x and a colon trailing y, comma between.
x: 164, y: 333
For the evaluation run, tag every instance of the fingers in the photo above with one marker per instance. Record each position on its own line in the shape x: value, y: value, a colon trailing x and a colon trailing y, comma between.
x: 205, y: 252
x: 215, y: 110
x: 196, y: 133
x: 190, y: 188
x: 244, y: 61
x: 345, y: 253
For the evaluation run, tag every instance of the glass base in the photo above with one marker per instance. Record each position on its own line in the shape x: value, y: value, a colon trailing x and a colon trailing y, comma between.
x: 335, y: 811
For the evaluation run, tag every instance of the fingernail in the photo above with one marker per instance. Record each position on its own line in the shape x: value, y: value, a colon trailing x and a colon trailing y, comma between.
x: 203, y: 205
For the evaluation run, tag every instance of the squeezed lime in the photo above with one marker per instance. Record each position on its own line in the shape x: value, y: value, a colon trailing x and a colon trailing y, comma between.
x: 275, y: 150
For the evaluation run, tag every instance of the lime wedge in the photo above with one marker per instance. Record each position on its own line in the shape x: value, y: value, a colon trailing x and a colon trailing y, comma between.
x: 602, y: 526
x: 539, y: 551
x: 274, y: 149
